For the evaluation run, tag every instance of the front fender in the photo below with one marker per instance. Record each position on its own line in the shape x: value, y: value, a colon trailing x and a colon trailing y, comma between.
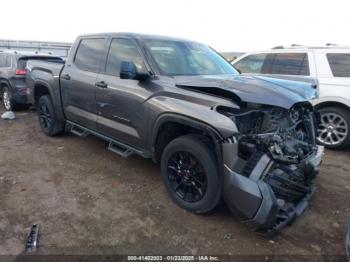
x: 185, y: 120
x: 164, y: 109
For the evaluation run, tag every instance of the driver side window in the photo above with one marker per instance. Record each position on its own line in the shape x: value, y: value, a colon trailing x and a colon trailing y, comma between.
x: 251, y: 64
x: 122, y: 49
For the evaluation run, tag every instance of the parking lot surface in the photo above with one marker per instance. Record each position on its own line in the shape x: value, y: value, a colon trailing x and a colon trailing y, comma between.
x: 88, y: 200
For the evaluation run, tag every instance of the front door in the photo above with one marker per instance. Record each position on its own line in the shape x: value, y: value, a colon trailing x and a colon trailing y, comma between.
x: 120, y: 101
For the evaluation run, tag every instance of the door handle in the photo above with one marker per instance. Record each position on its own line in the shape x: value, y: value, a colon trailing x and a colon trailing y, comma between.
x: 66, y: 77
x: 101, y: 84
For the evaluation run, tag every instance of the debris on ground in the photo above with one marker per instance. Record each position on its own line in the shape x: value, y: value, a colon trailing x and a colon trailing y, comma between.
x: 316, y: 248
x: 32, y: 239
x: 8, y: 115
x: 228, y: 236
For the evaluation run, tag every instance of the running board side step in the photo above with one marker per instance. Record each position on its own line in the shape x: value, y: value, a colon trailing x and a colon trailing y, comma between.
x: 81, y: 132
x: 119, y: 149
x: 114, y: 146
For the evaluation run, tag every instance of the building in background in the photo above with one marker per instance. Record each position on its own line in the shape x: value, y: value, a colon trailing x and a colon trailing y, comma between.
x: 55, y: 48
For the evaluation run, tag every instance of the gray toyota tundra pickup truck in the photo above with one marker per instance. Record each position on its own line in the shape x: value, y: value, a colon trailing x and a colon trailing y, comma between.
x: 217, y: 135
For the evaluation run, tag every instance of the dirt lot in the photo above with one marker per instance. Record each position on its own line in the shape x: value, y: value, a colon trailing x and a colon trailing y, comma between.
x: 89, y: 200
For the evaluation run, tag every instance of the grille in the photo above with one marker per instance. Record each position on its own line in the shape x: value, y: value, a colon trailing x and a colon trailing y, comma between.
x: 251, y: 163
x: 287, y: 184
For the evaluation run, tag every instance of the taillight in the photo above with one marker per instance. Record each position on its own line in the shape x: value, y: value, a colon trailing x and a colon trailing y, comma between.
x: 21, y: 72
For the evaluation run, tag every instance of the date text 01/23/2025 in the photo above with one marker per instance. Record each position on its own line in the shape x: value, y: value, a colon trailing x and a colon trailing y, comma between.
x: 173, y: 258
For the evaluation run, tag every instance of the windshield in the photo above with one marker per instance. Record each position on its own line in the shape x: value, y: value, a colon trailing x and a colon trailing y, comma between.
x: 186, y: 58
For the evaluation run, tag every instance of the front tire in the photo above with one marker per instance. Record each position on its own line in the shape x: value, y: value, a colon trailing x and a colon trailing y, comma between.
x: 190, y: 173
x: 48, y: 120
x: 334, y: 128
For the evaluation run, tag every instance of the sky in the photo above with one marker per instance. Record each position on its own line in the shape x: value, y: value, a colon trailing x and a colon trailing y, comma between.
x: 225, y: 25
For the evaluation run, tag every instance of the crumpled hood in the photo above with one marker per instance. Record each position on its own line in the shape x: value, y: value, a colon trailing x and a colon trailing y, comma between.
x: 254, y: 89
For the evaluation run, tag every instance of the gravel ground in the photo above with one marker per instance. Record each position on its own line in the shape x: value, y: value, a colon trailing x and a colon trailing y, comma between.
x: 88, y: 200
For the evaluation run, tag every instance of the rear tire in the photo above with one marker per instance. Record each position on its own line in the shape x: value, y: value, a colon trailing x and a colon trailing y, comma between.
x: 48, y: 120
x: 190, y: 173
x: 334, y: 128
x: 7, y: 100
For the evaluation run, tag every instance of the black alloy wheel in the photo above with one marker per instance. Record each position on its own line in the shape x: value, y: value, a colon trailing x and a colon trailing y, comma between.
x: 48, y: 120
x: 187, y: 176
x: 190, y: 173
x: 45, y: 117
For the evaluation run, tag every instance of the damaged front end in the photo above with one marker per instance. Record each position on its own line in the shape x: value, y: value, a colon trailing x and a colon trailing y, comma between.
x: 270, y: 165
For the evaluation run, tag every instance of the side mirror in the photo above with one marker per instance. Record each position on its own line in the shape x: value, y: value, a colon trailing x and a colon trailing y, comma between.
x: 128, y: 70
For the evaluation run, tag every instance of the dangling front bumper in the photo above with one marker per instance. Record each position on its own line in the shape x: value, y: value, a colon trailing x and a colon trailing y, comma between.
x: 273, y: 194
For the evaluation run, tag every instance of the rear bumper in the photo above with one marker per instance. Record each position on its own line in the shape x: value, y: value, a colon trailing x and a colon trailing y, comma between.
x: 20, y: 98
x: 19, y: 90
x: 258, y: 204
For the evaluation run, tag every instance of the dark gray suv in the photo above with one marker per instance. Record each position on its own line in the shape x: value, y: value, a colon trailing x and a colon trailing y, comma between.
x: 13, y: 88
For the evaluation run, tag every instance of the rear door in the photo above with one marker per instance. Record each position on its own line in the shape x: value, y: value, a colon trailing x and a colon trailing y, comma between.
x: 291, y: 63
x: 78, y: 80
x: 119, y: 103
x: 6, y: 70
x: 6, y: 65
x: 2, y: 69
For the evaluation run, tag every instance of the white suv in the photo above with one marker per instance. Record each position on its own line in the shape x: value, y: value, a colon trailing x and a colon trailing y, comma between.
x: 330, y: 65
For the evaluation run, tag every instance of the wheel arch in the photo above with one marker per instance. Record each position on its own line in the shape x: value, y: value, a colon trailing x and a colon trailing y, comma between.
x: 40, y: 88
x: 3, y: 84
x: 171, y: 125
x: 332, y: 103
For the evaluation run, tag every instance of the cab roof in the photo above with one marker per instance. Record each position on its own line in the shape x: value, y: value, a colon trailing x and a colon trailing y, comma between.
x: 136, y: 36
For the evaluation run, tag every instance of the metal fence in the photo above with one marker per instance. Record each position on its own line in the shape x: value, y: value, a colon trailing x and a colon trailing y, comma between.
x: 56, y: 48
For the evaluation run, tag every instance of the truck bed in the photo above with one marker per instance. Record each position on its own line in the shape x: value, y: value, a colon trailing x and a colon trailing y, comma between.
x: 46, y: 72
x: 51, y: 67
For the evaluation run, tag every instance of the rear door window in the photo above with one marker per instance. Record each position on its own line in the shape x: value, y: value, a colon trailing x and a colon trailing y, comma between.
x: 89, y: 54
x: 8, y: 61
x: 290, y: 64
x: 2, y: 60
x: 5, y: 60
x: 251, y: 64
x: 340, y: 64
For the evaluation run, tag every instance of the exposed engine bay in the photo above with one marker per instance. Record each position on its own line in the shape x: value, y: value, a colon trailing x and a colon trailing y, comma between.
x: 287, y: 135
x: 274, y: 147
